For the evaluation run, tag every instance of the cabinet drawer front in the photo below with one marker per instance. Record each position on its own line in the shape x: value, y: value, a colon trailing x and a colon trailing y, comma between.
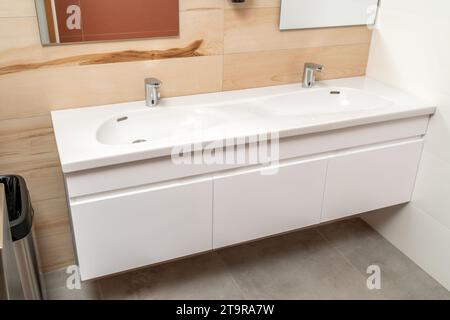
x: 253, y: 205
x: 370, y: 179
x: 128, y: 231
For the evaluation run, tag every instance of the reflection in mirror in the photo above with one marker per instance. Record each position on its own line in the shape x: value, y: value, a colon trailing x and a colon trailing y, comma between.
x: 304, y: 14
x: 74, y: 21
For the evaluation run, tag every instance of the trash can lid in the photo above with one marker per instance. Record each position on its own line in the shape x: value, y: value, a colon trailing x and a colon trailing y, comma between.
x: 18, y: 203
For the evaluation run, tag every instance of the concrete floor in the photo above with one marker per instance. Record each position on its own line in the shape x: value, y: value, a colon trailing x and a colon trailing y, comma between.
x: 327, y: 262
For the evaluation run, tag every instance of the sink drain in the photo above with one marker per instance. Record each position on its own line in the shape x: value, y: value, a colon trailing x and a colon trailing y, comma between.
x: 122, y: 119
x: 139, y: 141
x: 335, y: 92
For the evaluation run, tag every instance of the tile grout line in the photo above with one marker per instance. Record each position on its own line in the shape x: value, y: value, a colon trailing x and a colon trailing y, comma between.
x: 232, y: 276
x: 100, y: 290
x: 363, y: 276
x: 340, y: 253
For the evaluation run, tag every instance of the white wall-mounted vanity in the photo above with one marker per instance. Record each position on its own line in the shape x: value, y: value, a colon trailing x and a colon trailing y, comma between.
x: 346, y: 146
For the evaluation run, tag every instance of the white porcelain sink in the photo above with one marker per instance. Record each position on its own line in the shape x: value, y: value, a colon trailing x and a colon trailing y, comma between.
x: 113, y: 134
x: 155, y: 124
x: 322, y: 101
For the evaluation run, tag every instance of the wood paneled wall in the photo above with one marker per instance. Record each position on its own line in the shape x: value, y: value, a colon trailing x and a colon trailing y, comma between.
x: 242, y: 48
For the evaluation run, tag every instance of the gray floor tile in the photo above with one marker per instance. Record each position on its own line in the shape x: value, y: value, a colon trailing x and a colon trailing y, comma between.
x: 201, y: 277
x: 300, y: 265
x: 88, y: 291
x: 362, y: 246
x: 56, y: 279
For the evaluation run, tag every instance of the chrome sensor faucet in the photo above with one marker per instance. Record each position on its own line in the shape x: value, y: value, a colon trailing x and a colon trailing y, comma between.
x: 152, y: 94
x: 309, y: 74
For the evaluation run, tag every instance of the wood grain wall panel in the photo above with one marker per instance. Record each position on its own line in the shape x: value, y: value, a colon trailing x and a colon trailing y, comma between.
x: 39, y: 91
x: 17, y: 8
x: 187, y: 5
x: 17, y: 34
x: 27, y: 144
x: 23, y: 42
x: 268, y: 68
x: 241, y: 48
x: 55, y: 251
x: 51, y: 217
x: 45, y: 183
x: 28, y: 148
x: 192, y: 50
x: 248, y: 30
x: 253, y: 4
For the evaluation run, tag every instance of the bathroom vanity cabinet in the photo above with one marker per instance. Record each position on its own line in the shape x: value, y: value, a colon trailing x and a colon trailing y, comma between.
x: 131, y: 205
x: 155, y: 218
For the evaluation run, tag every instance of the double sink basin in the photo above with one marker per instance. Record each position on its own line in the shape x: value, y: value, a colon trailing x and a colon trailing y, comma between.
x: 108, y: 135
x: 251, y: 115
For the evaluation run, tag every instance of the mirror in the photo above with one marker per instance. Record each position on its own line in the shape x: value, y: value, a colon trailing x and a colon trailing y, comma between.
x: 75, y: 21
x: 305, y: 14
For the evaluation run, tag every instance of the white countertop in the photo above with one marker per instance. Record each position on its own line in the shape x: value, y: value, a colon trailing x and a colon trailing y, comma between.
x: 80, y: 148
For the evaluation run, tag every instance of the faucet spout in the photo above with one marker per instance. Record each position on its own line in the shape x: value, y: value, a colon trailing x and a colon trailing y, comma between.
x: 152, y: 94
x: 309, y: 74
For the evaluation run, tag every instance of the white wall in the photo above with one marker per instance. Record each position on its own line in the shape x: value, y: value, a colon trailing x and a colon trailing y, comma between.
x: 411, y: 50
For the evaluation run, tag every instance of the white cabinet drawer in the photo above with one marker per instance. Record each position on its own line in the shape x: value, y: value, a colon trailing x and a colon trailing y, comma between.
x: 369, y: 179
x: 126, y: 231
x: 252, y: 205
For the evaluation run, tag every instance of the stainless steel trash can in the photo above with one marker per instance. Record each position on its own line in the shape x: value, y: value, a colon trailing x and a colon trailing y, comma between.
x: 20, y: 218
